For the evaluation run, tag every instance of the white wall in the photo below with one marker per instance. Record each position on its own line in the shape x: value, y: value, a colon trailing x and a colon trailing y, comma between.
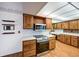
x: 11, y: 43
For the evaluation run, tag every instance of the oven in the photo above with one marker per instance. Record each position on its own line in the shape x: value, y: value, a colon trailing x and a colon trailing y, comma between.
x: 42, y: 46
x: 42, y: 43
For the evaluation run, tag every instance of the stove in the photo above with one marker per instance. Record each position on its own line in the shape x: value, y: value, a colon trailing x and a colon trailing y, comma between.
x: 42, y: 43
x: 41, y: 38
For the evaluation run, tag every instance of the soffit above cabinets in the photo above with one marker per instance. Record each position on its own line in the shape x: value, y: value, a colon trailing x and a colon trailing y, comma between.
x: 33, y: 7
x: 60, y: 11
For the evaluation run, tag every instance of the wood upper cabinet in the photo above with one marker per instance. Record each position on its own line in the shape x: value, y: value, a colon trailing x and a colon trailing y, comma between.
x: 39, y: 20
x: 29, y: 48
x: 65, y: 25
x: 59, y: 25
x: 54, y: 26
x: 49, y: 23
x: 73, y: 24
x: 52, y: 42
x: 27, y: 21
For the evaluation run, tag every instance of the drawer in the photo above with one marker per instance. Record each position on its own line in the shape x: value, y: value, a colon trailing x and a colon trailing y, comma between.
x: 29, y: 47
x: 29, y: 42
x: 29, y: 53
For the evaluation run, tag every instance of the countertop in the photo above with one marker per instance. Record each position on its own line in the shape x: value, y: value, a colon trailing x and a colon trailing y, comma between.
x: 28, y: 38
x: 74, y: 34
x: 33, y: 38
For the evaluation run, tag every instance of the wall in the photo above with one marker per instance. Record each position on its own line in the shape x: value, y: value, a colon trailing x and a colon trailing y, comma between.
x: 11, y: 43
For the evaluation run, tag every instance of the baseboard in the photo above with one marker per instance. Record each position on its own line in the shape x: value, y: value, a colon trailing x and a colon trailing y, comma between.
x: 18, y: 54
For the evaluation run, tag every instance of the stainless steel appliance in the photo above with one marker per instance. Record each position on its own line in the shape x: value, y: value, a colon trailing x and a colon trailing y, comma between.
x: 42, y: 43
x: 39, y: 27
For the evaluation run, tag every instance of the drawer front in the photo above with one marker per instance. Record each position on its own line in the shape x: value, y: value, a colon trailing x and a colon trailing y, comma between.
x: 29, y: 42
x: 29, y: 47
x: 29, y: 53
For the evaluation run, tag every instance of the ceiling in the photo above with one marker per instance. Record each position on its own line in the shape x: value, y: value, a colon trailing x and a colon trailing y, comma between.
x: 33, y: 7
x: 60, y: 11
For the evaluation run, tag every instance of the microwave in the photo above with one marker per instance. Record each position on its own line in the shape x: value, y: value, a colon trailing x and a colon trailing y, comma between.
x: 39, y: 27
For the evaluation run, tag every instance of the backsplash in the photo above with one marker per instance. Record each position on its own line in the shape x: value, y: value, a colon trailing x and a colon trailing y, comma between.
x: 72, y: 31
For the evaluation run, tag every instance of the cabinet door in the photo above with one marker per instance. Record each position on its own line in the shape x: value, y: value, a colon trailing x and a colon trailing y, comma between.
x: 54, y: 26
x: 65, y: 25
x: 68, y: 40
x: 59, y: 25
x: 52, y: 43
x: 73, y: 24
x: 59, y: 37
x: 74, y: 41
x: 27, y: 21
x: 63, y: 39
x: 49, y: 23
x: 29, y: 48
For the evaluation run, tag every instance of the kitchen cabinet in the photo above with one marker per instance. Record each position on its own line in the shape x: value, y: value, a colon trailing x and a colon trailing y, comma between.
x: 59, y: 25
x: 27, y: 21
x: 68, y: 39
x: 65, y: 25
x: 39, y: 20
x: 49, y: 23
x: 73, y: 24
x: 61, y: 38
x: 52, y: 42
x: 64, y: 38
x: 54, y: 26
x: 75, y: 41
x: 29, y: 48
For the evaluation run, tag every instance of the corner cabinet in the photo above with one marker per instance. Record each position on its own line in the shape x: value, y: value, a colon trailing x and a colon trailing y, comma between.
x: 49, y: 23
x: 27, y: 21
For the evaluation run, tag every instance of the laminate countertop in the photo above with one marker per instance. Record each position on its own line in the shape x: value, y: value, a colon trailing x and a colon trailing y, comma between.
x: 65, y: 33
x: 33, y: 38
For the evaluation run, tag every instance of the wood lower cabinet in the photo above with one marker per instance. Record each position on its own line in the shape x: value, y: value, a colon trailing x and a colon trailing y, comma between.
x: 68, y: 39
x: 52, y: 42
x: 75, y: 41
x: 61, y: 38
x: 29, y: 48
